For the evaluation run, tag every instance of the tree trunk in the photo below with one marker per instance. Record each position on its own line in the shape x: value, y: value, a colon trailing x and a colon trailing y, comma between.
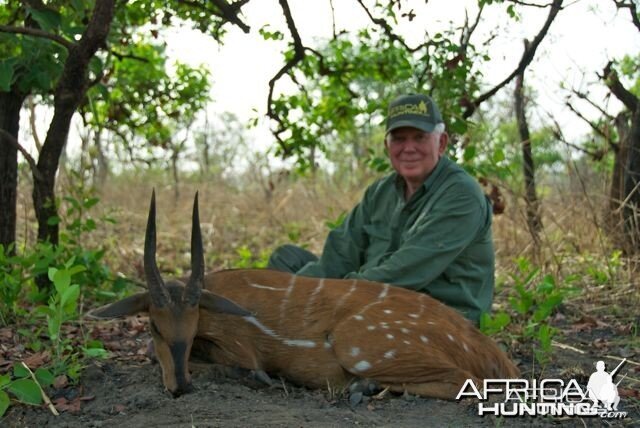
x: 632, y: 184
x: 10, y: 105
x: 533, y: 215
x: 70, y: 90
x: 614, y: 217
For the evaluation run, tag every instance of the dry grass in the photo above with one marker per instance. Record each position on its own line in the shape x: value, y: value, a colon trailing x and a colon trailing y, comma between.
x: 573, y: 241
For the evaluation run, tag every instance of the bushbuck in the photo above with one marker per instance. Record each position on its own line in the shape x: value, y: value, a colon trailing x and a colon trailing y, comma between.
x: 313, y: 332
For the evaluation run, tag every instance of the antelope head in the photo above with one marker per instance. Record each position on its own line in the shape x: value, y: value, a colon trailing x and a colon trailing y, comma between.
x: 173, y: 307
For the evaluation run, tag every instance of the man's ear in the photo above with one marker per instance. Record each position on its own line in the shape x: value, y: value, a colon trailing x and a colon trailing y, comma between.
x: 444, y: 140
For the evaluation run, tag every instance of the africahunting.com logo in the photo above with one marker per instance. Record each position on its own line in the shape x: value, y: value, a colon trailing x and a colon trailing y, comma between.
x: 554, y: 397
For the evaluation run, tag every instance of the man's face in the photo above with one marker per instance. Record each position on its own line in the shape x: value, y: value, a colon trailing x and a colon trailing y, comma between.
x: 415, y: 153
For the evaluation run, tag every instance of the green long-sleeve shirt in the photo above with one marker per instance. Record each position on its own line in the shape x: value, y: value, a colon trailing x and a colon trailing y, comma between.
x: 438, y: 242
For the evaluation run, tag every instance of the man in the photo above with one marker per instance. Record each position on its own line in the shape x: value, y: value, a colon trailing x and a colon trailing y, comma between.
x: 426, y: 227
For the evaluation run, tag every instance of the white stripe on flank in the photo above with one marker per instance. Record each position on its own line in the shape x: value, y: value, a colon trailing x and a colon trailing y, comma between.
x: 300, y: 343
x: 384, y: 292
x: 285, y: 301
x: 264, y: 287
x: 266, y: 330
x: 311, y: 301
x: 345, y: 296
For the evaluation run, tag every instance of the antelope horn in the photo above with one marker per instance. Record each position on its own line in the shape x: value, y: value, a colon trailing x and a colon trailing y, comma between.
x: 194, y: 287
x: 157, y: 290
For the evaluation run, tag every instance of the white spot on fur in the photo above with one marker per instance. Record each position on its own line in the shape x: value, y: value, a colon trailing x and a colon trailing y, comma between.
x: 358, y: 317
x: 413, y: 323
x: 399, y: 322
x: 362, y: 366
x: 327, y: 344
x: 384, y: 325
x: 404, y: 330
x: 466, y: 348
x: 450, y: 337
x: 388, y: 311
x: 355, y: 351
x: 424, y: 339
x: 431, y: 322
x: 390, y: 336
x: 390, y: 354
x: 406, y: 342
x: 416, y: 316
x: 371, y: 327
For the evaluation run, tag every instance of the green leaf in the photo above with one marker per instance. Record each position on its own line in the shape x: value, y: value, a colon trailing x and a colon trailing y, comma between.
x: 5, y: 380
x: 6, y: 76
x: 26, y: 390
x: 44, y: 376
x: 70, y: 298
x: 47, y: 19
x: 19, y: 371
x: 61, y: 280
x: 96, y: 352
x: 4, y: 403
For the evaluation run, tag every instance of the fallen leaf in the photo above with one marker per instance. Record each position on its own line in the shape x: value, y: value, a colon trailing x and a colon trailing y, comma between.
x: 6, y: 334
x: 64, y: 405
x: 60, y: 382
x: 37, y: 360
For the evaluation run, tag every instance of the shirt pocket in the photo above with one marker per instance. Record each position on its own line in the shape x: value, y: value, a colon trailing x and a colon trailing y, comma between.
x: 379, y: 236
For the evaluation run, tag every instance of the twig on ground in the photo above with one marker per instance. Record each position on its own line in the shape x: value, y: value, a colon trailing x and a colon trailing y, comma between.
x: 44, y: 395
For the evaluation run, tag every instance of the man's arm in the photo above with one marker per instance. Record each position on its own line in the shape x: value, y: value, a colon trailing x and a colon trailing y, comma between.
x: 344, y: 248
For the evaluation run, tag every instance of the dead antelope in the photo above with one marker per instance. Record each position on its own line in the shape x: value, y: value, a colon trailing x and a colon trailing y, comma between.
x: 313, y: 332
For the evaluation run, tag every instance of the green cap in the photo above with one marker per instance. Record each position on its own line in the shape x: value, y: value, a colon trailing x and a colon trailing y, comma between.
x: 413, y: 110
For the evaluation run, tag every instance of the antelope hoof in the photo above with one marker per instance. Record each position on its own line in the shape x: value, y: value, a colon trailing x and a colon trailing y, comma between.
x: 367, y: 387
x: 262, y: 376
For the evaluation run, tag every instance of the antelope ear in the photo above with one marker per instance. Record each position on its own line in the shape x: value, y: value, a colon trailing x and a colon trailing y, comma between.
x: 128, y: 306
x: 216, y: 303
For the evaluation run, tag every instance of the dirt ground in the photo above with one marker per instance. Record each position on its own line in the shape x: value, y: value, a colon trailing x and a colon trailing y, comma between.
x: 126, y: 391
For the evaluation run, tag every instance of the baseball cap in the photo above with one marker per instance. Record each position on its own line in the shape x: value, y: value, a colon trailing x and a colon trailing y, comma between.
x: 413, y: 110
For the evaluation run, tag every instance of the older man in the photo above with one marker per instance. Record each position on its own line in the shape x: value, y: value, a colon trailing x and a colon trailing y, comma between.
x: 426, y: 226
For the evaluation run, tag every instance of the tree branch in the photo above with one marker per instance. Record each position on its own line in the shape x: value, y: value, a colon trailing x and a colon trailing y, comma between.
x: 299, y: 54
x: 584, y: 96
x: 557, y: 132
x: 633, y: 11
x: 35, y: 32
x: 32, y: 163
x: 389, y: 31
x: 525, y: 60
x: 593, y: 126
x: 230, y: 12
x: 612, y: 81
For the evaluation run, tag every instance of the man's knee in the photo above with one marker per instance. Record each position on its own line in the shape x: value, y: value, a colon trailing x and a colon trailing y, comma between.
x: 290, y: 258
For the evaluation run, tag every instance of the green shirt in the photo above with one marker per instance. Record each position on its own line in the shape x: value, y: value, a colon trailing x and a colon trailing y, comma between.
x: 438, y: 242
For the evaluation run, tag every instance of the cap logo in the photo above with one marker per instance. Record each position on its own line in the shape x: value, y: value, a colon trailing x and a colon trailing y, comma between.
x: 420, y: 109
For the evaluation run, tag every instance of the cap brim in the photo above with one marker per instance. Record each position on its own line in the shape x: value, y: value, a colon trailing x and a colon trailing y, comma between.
x: 423, y: 126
